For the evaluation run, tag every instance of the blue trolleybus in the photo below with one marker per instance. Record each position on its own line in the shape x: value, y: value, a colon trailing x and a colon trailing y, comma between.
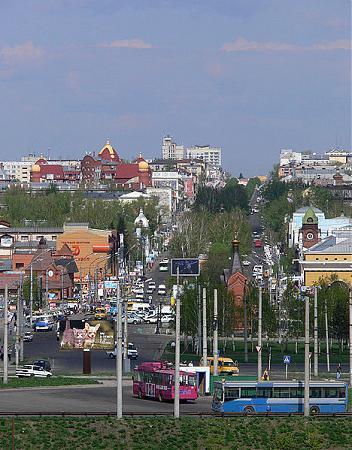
x: 279, y: 397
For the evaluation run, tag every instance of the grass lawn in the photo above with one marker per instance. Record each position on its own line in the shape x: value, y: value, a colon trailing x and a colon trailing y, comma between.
x: 294, y: 433
x: 38, y: 382
x: 236, y: 352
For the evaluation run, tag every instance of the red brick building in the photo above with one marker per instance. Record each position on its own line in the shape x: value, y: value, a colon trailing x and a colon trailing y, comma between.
x: 236, y: 285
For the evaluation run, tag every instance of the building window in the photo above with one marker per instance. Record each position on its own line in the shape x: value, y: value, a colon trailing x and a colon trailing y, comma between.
x: 53, y: 238
x: 39, y: 238
x: 19, y: 265
x: 24, y: 238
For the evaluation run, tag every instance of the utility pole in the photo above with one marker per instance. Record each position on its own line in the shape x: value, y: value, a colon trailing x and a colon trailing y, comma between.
x: 62, y: 291
x: 327, y: 337
x: 95, y: 286
x: 31, y: 297
x: 245, y: 330
x: 215, y: 344
x: 306, y: 358
x: 46, y: 290
x: 199, y: 304
x: 126, y: 361
x: 316, y: 356
x: 6, y: 330
x: 17, y: 342
x: 260, y: 312
x: 350, y: 310
x: 205, y: 343
x: 21, y: 319
x: 80, y: 288
x: 177, y: 352
x: 119, y: 354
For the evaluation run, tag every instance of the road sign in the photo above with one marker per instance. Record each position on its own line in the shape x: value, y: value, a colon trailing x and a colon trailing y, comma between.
x: 287, y: 359
x: 258, y: 348
x: 188, y: 267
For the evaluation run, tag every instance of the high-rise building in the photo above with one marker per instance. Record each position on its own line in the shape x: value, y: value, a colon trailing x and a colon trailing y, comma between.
x: 210, y: 155
x: 170, y: 150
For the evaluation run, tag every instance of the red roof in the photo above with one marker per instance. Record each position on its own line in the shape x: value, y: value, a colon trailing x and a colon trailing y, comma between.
x: 52, y: 169
x: 125, y: 172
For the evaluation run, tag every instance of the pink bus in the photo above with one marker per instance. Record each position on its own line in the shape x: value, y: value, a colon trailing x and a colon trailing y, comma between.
x: 155, y: 380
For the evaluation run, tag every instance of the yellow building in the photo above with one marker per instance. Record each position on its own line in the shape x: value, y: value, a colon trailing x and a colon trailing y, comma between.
x: 91, y: 248
x: 330, y: 257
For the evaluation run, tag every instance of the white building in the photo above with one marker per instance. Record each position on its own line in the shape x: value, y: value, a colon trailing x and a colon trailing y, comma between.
x: 288, y: 156
x: 168, y: 179
x: 326, y: 226
x: 210, y: 155
x: 170, y: 150
x: 18, y: 170
x: 166, y: 200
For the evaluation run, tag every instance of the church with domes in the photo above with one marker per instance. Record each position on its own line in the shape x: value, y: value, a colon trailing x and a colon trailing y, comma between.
x: 108, y: 166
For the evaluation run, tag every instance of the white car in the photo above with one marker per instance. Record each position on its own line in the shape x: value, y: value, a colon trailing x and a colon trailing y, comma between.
x: 30, y: 371
x: 246, y: 263
x: 132, y: 352
x: 162, y: 289
x: 152, y: 285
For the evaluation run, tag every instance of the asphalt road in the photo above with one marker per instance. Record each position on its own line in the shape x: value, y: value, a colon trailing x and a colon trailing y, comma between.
x: 45, y: 345
x: 88, y: 399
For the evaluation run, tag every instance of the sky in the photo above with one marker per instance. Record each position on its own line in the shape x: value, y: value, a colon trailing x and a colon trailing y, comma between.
x: 250, y: 76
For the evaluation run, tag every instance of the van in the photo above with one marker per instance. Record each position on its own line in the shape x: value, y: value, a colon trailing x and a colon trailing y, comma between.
x: 140, y: 307
x: 226, y: 366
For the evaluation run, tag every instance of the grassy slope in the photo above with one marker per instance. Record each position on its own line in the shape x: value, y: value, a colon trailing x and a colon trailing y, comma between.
x: 187, y: 433
x: 38, y: 382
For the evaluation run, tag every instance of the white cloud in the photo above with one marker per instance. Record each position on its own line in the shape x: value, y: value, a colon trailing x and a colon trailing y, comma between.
x: 21, y: 54
x: 242, y: 45
x: 127, y: 43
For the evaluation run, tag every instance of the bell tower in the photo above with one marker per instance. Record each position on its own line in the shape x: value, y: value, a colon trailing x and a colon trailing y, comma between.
x: 310, y: 233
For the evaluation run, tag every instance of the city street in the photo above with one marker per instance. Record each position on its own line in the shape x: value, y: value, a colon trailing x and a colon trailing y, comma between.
x: 88, y: 399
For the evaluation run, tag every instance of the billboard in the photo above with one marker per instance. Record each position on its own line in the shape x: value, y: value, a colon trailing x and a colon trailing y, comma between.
x: 188, y: 267
x: 86, y: 334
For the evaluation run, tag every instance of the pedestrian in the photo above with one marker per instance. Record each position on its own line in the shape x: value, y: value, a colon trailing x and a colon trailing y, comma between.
x: 266, y: 375
x: 2, y: 353
x: 338, y: 372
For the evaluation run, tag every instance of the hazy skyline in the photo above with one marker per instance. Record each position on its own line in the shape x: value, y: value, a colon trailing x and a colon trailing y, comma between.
x: 251, y: 76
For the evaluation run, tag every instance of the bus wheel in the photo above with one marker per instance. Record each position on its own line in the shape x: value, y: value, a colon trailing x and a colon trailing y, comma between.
x: 314, y: 410
x: 140, y: 393
x: 160, y: 398
x: 249, y: 410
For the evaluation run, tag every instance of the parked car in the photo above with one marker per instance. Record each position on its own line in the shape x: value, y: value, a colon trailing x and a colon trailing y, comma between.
x: 246, y: 263
x: 134, y: 318
x: 30, y: 371
x: 162, y: 289
x: 150, y: 291
x: 140, y: 295
x: 43, y: 363
x: 132, y: 352
x: 28, y: 337
x: 152, y: 285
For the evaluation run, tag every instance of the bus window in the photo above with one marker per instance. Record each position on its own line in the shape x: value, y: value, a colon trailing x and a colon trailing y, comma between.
x: 342, y: 393
x: 248, y: 392
x: 218, y: 394
x: 315, y: 392
x: 281, y: 392
x: 191, y: 380
x: 296, y: 392
x: 264, y: 392
x: 231, y: 393
x: 330, y: 392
